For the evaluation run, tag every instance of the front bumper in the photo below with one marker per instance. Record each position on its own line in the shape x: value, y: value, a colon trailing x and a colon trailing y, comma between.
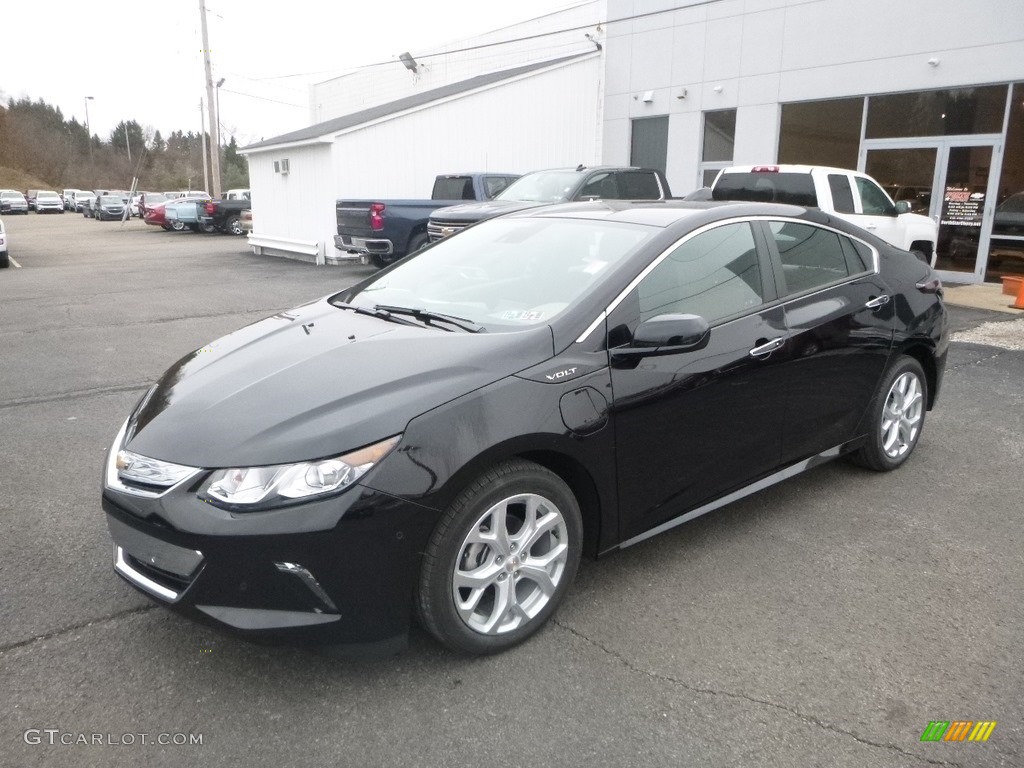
x: 339, y: 570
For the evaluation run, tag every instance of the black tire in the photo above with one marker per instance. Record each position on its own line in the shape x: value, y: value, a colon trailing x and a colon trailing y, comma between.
x: 890, y: 443
x: 233, y: 225
x: 5, y: 260
x: 524, y: 608
x: 166, y: 227
x: 206, y: 228
x: 418, y: 241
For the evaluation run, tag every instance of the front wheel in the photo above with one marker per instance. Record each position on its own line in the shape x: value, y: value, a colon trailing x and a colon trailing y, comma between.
x: 178, y: 226
x: 897, y: 416
x: 416, y: 242
x: 501, y: 559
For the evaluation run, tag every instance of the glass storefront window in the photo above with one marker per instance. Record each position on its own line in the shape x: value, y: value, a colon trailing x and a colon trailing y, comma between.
x: 821, y: 132
x: 1006, y: 251
x: 957, y: 112
x: 719, y: 142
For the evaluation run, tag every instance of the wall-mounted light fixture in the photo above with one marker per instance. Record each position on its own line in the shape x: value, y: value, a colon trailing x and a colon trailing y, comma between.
x: 681, y: 94
x: 717, y: 89
x: 409, y: 62
x: 648, y: 97
x: 933, y: 61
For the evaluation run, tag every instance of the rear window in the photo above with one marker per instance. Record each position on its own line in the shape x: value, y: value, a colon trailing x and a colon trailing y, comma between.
x: 637, y: 185
x: 790, y: 188
x: 453, y: 188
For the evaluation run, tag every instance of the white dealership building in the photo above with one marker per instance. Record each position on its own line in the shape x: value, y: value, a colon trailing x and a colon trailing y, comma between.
x: 927, y: 96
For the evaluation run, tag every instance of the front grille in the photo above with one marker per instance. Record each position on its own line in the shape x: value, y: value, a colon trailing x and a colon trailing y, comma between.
x: 439, y: 231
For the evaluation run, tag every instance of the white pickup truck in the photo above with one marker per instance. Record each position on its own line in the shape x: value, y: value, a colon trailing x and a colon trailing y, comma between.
x: 849, y: 195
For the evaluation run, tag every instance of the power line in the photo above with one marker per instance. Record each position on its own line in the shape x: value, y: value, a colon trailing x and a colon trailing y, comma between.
x: 506, y: 42
x: 264, y: 98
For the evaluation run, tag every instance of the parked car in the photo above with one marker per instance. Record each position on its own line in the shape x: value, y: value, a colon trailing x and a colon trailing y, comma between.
x: 561, y: 185
x: 109, y: 207
x: 30, y: 196
x: 155, y: 215
x: 148, y: 200
x: 383, y: 231
x: 224, y: 215
x: 245, y: 221
x: 12, y: 201
x: 446, y: 438
x: 185, y: 213
x: 83, y: 201
x: 849, y: 195
x: 135, y: 202
x: 68, y: 196
x: 48, y: 201
x: 237, y: 194
x: 5, y: 255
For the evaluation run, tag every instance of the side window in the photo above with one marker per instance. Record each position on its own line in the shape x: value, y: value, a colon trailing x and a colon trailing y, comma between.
x: 714, y: 275
x: 858, y: 256
x: 812, y: 257
x: 495, y: 184
x: 600, y: 186
x: 842, y: 193
x: 873, y: 200
x: 637, y: 185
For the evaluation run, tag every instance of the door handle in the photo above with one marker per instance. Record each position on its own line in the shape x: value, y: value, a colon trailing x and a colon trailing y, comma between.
x: 767, y: 348
x: 877, y: 302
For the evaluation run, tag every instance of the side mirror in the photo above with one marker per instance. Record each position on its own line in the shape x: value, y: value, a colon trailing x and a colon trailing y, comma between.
x: 902, y: 206
x: 668, y: 334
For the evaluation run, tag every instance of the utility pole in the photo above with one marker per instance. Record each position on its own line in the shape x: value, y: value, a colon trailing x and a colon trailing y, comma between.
x: 202, y: 135
x: 215, y: 155
x: 128, y: 143
x: 88, y: 128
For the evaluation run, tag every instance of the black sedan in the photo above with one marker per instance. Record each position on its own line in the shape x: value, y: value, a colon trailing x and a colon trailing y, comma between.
x: 446, y: 439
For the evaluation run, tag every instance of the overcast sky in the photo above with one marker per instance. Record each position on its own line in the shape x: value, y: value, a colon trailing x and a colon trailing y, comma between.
x: 142, y: 59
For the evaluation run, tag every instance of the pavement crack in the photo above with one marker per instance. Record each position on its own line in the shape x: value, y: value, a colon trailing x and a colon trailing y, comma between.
x: 75, y: 394
x: 75, y: 627
x: 810, y: 719
x: 980, y: 361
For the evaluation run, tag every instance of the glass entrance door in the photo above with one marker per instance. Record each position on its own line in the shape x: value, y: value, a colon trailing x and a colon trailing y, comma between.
x: 954, y: 182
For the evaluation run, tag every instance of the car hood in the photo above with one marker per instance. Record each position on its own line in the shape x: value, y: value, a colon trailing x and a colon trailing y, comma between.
x: 481, y: 211
x: 313, y: 382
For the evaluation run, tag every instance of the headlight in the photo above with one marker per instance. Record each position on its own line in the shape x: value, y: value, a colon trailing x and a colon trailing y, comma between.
x: 256, y: 488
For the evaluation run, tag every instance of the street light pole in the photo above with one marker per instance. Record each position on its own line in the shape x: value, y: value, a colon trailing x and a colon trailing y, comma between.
x: 88, y: 128
x: 216, y: 131
x: 215, y: 159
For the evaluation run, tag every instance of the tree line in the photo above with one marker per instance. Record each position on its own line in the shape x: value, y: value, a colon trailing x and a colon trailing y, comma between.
x: 36, y: 140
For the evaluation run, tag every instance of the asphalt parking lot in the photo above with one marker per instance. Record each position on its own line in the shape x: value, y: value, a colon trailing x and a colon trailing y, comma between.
x: 824, y: 622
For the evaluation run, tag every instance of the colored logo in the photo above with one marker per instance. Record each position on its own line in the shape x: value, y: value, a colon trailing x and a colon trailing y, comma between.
x: 958, y: 730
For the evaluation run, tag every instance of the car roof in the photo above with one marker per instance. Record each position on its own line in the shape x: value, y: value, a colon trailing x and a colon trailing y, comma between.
x: 666, y: 213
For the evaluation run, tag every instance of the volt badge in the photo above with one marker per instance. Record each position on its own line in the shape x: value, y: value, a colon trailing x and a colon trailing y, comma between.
x: 564, y: 374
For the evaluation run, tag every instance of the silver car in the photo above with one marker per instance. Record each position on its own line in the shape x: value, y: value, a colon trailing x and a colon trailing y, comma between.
x: 12, y: 201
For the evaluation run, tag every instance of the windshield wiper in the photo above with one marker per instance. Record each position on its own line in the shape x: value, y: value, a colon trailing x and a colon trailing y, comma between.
x: 378, y: 312
x: 426, y: 316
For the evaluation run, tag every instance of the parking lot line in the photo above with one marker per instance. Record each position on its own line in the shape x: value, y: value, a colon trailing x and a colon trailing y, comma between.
x: 13, y: 262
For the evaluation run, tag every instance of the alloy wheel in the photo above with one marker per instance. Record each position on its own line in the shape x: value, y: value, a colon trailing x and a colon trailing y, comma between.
x: 902, y: 415
x: 510, y: 564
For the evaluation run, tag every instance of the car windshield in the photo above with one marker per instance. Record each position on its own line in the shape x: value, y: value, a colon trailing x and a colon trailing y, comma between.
x: 12, y: 196
x: 155, y: 198
x: 541, y: 187
x: 505, y: 274
x: 111, y: 199
x: 48, y: 196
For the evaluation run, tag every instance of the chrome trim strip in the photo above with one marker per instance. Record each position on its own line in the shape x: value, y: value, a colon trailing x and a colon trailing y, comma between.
x: 113, y: 482
x: 310, y: 581
x: 876, y: 266
x: 760, y: 485
x: 139, y: 580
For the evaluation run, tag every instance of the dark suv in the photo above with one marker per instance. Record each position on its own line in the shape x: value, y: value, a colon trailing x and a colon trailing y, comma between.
x: 560, y: 185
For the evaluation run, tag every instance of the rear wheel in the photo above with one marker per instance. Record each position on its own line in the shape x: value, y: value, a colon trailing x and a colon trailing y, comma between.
x: 233, y: 225
x: 178, y: 226
x: 501, y: 559
x: 418, y: 241
x: 5, y: 260
x: 897, y: 416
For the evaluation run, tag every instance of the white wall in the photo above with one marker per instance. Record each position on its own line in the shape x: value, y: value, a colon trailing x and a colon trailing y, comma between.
x: 753, y: 55
x: 544, y: 120
x: 382, y: 84
x: 298, y: 205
